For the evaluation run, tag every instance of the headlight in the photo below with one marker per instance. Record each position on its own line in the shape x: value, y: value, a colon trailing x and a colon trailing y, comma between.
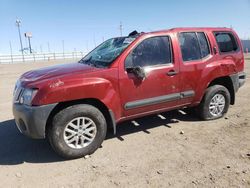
x: 27, y: 96
x: 17, y: 86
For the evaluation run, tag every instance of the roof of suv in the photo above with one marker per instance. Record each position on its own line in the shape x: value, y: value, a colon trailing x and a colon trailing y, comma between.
x: 183, y: 29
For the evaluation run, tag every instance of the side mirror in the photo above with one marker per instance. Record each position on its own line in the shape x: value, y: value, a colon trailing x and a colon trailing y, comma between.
x: 137, y: 71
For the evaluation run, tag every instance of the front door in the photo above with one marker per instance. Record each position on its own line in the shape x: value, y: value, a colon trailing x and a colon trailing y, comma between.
x: 160, y: 87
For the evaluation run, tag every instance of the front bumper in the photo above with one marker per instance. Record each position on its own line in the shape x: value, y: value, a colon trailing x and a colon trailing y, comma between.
x: 31, y: 120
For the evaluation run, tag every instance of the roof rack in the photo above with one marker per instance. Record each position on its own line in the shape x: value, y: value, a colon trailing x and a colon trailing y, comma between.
x: 133, y: 33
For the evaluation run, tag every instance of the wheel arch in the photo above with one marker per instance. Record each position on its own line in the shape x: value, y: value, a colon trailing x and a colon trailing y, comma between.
x: 227, y: 82
x: 108, y: 113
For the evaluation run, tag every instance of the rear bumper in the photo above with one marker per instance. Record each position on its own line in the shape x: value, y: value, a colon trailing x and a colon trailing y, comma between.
x: 31, y: 120
x: 242, y: 78
x: 238, y: 80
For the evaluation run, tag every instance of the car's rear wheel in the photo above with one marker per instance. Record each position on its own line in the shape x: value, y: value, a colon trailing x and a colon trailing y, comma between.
x: 215, y: 103
x: 77, y: 131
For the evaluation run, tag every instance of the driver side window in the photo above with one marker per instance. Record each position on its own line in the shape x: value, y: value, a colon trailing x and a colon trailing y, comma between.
x: 150, y: 52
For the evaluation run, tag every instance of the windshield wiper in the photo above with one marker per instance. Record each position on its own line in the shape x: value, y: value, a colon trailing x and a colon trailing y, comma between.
x: 89, y: 62
x: 85, y: 60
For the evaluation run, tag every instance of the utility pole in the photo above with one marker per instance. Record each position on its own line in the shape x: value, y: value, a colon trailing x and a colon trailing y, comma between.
x: 18, y: 24
x: 94, y: 40
x: 120, y: 28
x: 11, y: 54
x: 87, y: 46
x: 29, y: 36
x: 249, y: 35
x: 75, y: 54
x: 30, y: 45
x: 26, y: 41
x: 63, y: 47
x: 48, y: 47
x: 41, y: 49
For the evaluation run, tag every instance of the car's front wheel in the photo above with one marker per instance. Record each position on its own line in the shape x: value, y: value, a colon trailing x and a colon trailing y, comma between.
x: 77, y: 131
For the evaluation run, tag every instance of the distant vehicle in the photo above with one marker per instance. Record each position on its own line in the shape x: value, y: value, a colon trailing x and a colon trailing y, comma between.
x: 129, y: 77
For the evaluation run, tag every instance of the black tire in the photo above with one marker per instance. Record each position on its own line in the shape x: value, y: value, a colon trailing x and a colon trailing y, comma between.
x: 203, y: 109
x: 60, y: 121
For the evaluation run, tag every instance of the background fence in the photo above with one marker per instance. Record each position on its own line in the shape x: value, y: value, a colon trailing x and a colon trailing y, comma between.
x: 8, y: 59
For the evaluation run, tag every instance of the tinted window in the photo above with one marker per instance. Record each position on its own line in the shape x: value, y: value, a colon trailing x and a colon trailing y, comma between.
x: 152, y: 51
x: 190, y: 48
x: 226, y: 42
x: 203, y: 44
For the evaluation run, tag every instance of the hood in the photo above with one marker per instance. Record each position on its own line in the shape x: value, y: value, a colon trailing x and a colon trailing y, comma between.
x: 56, y: 71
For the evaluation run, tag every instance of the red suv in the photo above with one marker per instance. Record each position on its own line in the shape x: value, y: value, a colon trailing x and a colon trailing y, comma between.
x: 129, y: 77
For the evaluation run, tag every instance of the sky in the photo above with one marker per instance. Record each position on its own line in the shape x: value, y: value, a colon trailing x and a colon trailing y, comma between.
x: 84, y: 24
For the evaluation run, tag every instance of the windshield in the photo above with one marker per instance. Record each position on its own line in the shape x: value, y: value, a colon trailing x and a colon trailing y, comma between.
x: 107, y: 52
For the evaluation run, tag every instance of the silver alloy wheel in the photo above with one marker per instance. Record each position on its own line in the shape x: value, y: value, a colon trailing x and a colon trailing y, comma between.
x: 217, y: 105
x: 79, y: 132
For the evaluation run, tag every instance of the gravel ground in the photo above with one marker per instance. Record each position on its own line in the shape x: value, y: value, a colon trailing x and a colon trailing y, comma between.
x: 175, y: 149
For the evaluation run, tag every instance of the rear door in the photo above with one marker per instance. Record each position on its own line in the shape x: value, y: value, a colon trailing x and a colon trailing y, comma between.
x: 195, y: 55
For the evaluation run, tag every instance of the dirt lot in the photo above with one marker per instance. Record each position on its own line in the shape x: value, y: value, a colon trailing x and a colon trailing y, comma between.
x: 153, y: 154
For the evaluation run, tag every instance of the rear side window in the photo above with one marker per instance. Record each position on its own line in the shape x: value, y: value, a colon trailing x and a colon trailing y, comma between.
x: 203, y: 44
x: 190, y: 48
x: 226, y: 42
x: 194, y: 45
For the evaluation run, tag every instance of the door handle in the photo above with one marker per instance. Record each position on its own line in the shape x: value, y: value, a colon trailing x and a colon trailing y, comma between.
x: 172, y: 73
